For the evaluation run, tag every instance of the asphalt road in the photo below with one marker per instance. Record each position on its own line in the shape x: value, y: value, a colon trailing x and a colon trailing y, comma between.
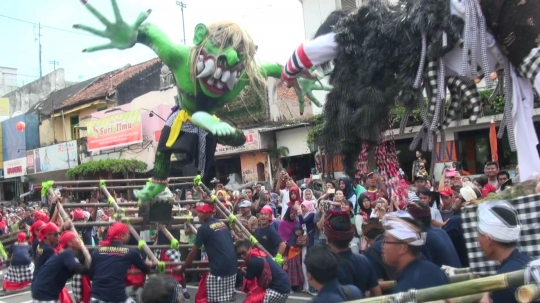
x: 25, y: 296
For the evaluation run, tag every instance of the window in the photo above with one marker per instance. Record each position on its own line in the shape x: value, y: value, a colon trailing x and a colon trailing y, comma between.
x: 101, y: 108
x: 74, y: 121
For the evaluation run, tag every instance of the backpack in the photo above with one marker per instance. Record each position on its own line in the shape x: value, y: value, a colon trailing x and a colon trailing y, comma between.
x: 265, y: 279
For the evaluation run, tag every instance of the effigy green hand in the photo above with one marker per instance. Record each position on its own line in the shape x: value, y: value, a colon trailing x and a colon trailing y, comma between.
x: 306, y: 87
x: 120, y: 34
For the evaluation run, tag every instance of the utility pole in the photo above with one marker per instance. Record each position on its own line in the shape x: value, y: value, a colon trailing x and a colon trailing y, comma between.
x: 38, y: 39
x: 182, y: 6
x: 54, y: 63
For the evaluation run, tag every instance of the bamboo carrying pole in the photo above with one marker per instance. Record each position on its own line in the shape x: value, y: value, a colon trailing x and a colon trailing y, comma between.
x: 134, y: 221
x: 528, y: 293
x: 63, y: 215
x: 132, y: 230
x: 227, y: 214
x: 464, y: 299
x: 85, y: 182
x: 455, y: 290
x: 94, y: 188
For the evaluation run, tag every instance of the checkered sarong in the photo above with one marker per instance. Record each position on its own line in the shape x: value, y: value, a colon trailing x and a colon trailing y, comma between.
x: 173, y: 254
x: 528, y: 208
x: 129, y: 300
x: 76, y: 287
x: 273, y: 296
x: 20, y: 274
x: 220, y: 289
x: 530, y: 67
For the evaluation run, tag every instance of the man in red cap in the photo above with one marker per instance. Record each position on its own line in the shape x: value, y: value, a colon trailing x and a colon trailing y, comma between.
x: 51, y: 279
x: 110, y: 264
x: 447, y: 203
x: 217, y: 241
x: 34, y: 235
x: 48, y: 239
x: 19, y: 274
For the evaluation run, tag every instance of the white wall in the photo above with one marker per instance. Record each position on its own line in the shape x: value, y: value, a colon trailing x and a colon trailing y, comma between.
x: 315, y: 12
x: 294, y: 140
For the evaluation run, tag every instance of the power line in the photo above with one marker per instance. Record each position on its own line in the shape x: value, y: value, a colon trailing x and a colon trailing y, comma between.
x: 45, y: 26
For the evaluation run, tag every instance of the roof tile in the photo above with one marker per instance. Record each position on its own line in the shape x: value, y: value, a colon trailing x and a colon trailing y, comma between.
x: 102, y: 86
x: 285, y: 93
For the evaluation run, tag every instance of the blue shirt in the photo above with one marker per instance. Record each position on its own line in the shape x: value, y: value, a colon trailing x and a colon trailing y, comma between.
x: 280, y: 279
x: 453, y: 228
x: 439, y: 248
x: 275, y: 224
x: 218, y: 243
x: 43, y: 253
x: 355, y: 269
x: 374, y: 256
x: 269, y: 238
x: 53, y: 276
x: 516, y: 261
x: 20, y: 254
x: 109, y: 268
x: 419, y: 274
x: 332, y: 292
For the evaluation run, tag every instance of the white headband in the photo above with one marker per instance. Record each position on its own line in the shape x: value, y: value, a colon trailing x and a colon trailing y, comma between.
x: 403, y: 230
x: 491, y: 224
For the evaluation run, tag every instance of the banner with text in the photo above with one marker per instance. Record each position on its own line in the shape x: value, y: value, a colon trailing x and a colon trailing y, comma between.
x: 15, y: 168
x: 55, y: 157
x: 115, y: 131
x: 253, y: 142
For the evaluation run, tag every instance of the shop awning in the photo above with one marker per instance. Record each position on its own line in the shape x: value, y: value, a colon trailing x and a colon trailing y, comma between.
x: 283, y: 127
x: 57, y: 175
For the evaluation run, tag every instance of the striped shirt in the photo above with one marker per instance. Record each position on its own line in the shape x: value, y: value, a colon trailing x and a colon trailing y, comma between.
x: 313, y: 52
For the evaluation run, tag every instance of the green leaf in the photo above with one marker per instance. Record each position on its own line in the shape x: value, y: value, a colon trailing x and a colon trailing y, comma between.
x: 93, y: 169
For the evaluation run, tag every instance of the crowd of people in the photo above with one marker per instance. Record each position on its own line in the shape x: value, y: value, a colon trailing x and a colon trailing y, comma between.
x: 335, y: 245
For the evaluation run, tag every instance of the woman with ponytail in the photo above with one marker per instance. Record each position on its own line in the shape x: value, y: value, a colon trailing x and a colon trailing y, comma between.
x: 19, y: 274
x: 49, y: 283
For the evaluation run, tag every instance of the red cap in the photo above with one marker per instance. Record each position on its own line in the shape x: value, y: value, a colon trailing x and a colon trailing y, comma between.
x: 446, y: 191
x: 78, y: 214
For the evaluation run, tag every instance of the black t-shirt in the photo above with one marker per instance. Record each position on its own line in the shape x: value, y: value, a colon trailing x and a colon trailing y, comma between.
x: 34, y: 247
x: 108, y: 271
x: 355, y: 269
x: 280, y: 279
x: 163, y: 240
x: 20, y: 254
x: 516, y: 261
x: 455, y: 231
x: 43, y: 253
x: 52, y: 277
x: 439, y: 248
x: 269, y: 238
x: 218, y: 243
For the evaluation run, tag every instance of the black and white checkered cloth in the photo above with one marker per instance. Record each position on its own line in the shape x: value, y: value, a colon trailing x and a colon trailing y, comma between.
x: 76, y: 287
x: 273, y: 296
x: 36, y: 301
x: 530, y: 67
x: 528, y: 208
x: 173, y: 254
x: 129, y: 300
x: 220, y: 289
x: 20, y: 274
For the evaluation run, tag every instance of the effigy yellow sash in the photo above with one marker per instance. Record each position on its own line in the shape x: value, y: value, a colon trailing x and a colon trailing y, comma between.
x: 176, y: 127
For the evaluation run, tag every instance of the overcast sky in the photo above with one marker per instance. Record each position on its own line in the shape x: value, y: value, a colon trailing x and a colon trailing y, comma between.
x: 275, y: 25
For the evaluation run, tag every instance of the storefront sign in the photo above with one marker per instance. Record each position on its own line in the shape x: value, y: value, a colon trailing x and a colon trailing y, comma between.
x: 253, y: 142
x: 54, y: 157
x: 115, y: 131
x: 30, y: 162
x: 15, y: 168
